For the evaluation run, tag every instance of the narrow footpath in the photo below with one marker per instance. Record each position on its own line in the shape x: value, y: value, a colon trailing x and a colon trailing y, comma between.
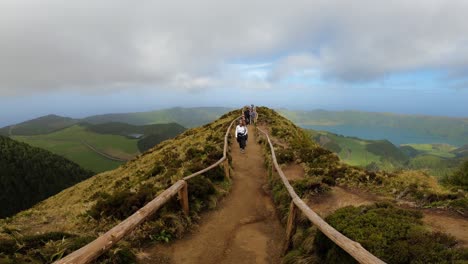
x: 244, y: 228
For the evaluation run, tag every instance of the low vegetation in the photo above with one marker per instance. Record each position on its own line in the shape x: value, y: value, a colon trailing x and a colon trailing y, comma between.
x: 29, y: 175
x: 324, y: 169
x: 392, y: 234
x: 97, y: 204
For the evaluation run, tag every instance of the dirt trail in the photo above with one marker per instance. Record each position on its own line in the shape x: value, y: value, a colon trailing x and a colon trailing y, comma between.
x: 244, y: 229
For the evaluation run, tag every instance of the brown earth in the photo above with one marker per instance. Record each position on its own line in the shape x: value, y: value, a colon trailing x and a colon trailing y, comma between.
x: 244, y: 229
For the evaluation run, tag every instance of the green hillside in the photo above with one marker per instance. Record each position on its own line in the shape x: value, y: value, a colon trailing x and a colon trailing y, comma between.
x: 187, y: 117
x: 80, y: 213
x: 359, y: 152
x: 29, y: 175
x: 69, y: 143
x: 397, y: 128
x: 113, y: 139
x: 435, y: 159
x: 41, y: 125
x: 395, y: 235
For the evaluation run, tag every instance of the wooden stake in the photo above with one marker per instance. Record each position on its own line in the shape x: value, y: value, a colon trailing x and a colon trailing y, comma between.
x: 183, y: 197
x: 226, y: 168
x: 290, y: 226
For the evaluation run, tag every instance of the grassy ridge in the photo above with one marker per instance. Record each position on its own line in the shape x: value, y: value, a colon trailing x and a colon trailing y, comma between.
x: 118, y: 193
x: 323, y: 168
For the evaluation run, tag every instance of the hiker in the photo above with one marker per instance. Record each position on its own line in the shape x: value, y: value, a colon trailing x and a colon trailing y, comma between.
x: 253, y: 115
x: 241, y: 135
x: 247, y: 115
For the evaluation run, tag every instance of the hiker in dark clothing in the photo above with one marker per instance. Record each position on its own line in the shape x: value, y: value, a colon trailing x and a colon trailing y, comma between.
x: 241, y: 135
x: 247, y: 116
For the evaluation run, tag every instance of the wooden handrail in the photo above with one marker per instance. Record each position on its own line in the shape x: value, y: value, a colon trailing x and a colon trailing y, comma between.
x: 101, y: 244
x: 355, y: 249
x: 220, y: 160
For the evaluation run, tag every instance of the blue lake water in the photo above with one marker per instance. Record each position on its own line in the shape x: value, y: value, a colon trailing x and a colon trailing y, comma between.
x: 394, y: 135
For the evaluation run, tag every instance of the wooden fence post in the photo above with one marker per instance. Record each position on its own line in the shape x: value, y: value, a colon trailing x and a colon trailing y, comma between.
x: 290, y: 226
x: 183, y: 197
x: 226, y: 168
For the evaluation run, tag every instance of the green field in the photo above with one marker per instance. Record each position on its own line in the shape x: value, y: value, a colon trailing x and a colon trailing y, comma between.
x: 67, y: 143
x: 439, y: 150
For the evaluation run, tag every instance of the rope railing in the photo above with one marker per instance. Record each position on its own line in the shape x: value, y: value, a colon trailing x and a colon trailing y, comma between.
x: 353, y: 248
x: 104, y: 242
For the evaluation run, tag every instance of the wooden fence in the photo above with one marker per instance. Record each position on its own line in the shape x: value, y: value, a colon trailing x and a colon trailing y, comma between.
x: 101, y: 244
x: 353, y: 248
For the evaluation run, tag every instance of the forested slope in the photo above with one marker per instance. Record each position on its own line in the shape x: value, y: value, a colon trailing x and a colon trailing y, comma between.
x: 29, y: 175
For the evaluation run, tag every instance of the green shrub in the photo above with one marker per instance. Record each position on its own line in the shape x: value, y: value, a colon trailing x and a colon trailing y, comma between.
x: 284, y: 156
x: 193, y: 153
x: 308, y: 185
x: 459, y: 178
x: 122, y: 204
x: 200, y: 188
x: 156, y: 170
x: 394, y: 235
x: 216, y: 174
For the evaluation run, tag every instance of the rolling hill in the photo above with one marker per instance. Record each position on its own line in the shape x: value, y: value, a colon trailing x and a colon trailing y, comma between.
x: 29, y: 175
x: 398, y: 129
x: 187, y: 117
x: 92, y: 145
x: 436, y: 159
x: 79, y: 213
x: 41, y: 125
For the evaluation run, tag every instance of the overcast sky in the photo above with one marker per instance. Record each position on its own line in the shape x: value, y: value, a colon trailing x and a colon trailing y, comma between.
x: 78, y: 58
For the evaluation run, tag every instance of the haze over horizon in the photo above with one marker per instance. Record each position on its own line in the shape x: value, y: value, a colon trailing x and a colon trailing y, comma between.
x: 80, y: 58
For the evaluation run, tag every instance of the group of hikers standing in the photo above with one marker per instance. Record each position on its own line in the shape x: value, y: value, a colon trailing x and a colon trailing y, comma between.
x: 249, y: 117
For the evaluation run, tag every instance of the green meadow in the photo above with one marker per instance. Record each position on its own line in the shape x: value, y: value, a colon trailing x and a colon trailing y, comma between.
x: 68, y: 143
x: 439, y: 150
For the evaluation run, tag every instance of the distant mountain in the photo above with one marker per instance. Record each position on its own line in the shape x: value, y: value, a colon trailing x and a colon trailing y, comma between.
x: 29, y: 175
x: 41, y: 125
x: 187, y: 117
x: 399, y: 129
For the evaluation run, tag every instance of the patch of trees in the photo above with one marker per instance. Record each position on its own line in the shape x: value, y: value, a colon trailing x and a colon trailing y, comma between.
x: 29, y: 175
x: 386, y: 149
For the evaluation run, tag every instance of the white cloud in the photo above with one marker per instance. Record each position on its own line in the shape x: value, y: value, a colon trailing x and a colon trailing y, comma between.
x: 88, y: 44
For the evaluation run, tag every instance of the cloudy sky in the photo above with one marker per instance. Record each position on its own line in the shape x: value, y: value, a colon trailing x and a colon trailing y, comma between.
x: 78, y: 58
